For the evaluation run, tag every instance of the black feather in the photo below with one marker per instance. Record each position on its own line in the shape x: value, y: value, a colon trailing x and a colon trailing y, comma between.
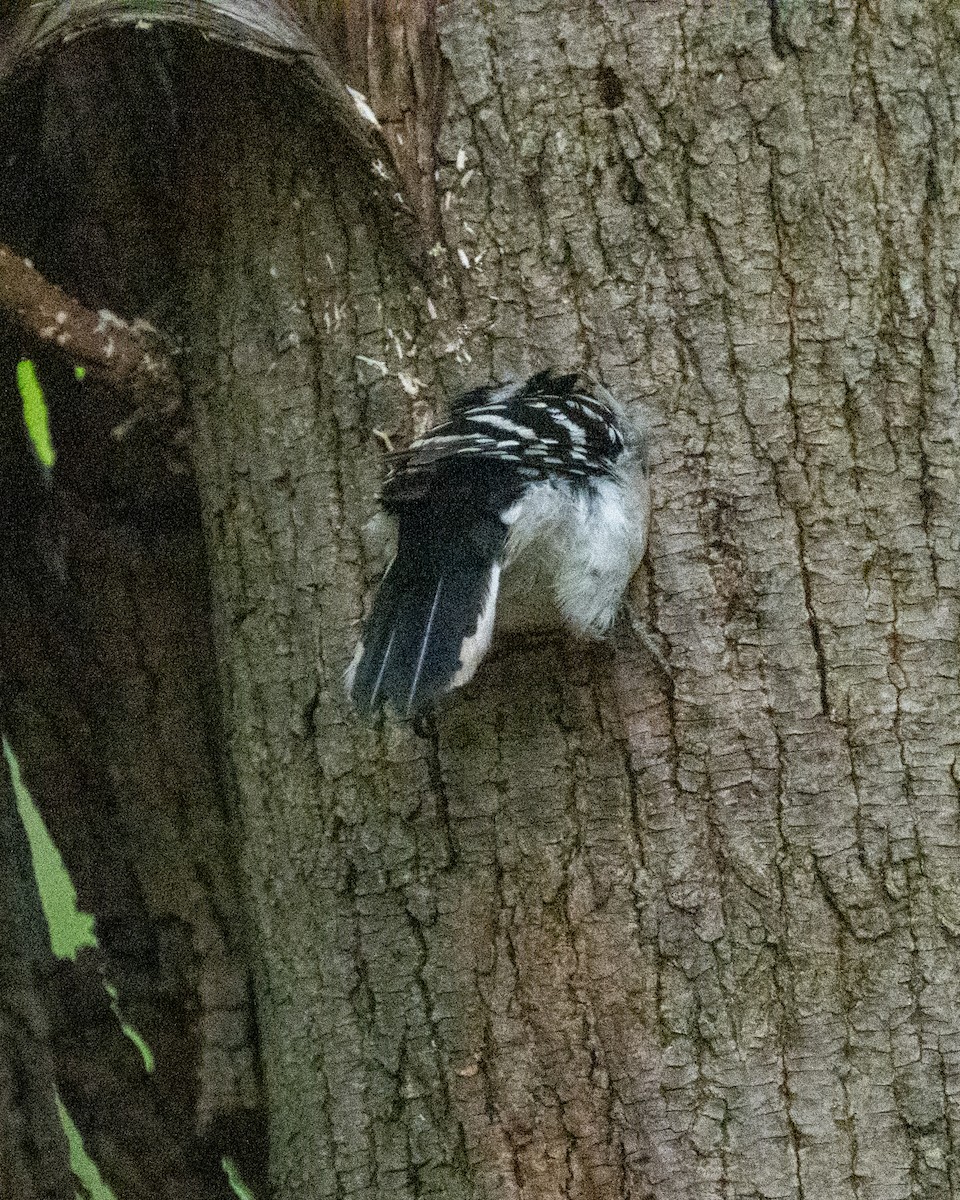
x: 430, y: 600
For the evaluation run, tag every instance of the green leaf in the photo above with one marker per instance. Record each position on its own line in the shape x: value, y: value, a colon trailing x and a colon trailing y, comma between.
x: 233, y: 1178
x: 81, y: 1163
x: 70, y: 929
x: 133, y: 1034
x: 35, y: 415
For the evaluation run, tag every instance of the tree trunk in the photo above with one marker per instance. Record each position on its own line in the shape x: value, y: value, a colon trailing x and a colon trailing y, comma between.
x: 595, y: 935
x: 592, y: 932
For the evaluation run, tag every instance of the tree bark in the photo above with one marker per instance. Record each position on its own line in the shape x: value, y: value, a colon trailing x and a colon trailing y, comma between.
x: 595, y: 935
x: 598, y: 933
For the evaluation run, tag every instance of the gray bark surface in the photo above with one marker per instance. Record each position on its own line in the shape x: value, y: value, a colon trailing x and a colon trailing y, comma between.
x: 596, y: 936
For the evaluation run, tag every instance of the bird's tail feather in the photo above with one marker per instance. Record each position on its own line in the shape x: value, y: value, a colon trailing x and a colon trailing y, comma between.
x: 430, y: 626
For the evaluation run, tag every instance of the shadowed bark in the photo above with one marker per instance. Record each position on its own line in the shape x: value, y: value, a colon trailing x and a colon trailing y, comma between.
x: 595, y: 935
x: 106, y: 671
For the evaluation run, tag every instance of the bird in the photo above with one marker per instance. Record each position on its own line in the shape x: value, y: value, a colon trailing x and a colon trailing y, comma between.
x: 528, y: 507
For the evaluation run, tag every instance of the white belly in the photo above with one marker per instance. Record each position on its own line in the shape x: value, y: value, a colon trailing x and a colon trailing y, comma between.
x: 571, y: 554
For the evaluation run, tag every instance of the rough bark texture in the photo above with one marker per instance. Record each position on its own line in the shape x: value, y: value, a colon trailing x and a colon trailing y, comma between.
x: 594, y: 936
x: 598, y: 934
